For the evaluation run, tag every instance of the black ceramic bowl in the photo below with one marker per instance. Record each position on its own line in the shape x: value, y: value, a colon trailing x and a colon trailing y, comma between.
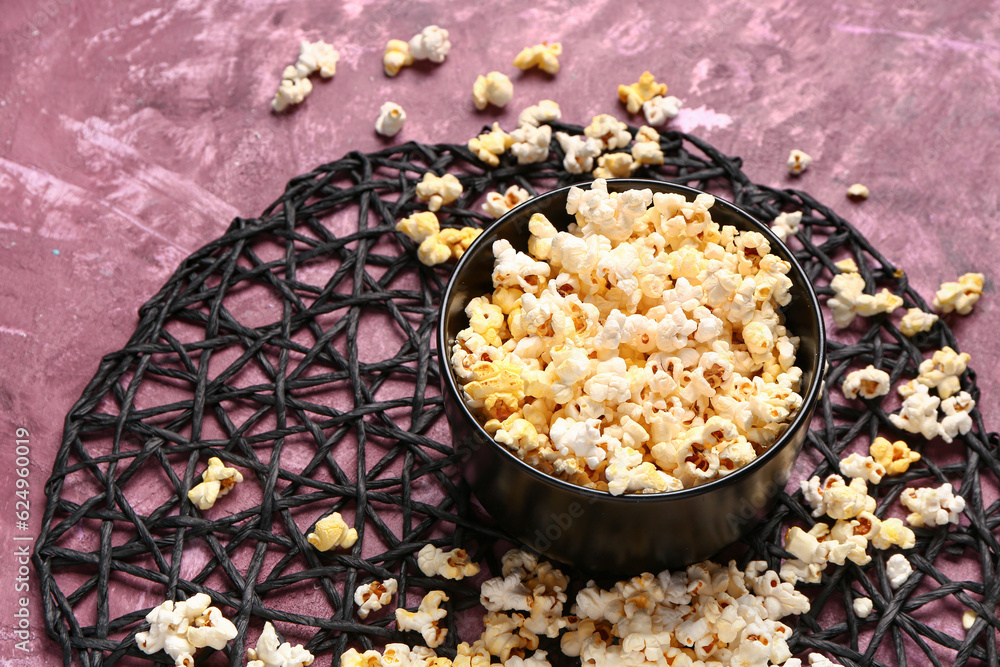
x: 593, y: 530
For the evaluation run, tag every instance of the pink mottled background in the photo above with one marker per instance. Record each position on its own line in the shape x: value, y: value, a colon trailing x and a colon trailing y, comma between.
x: 131, y: 134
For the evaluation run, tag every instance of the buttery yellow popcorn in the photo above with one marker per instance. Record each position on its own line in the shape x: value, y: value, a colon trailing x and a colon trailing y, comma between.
x: 419, y: 226
x: 217, y: 481
x: 438, y: 190
x: 332, y: 532
x: 847, y: 265
x: 490, y: 145
x: 544, y: 56
x: 458, y: 240
x: 645, y: 89
x: 432, y: 251
x: 495, y: 88
x: 943, y: 371
x: 615, y: 165
x: 916, y: 321
x: 895, y: 457
x: 961, y: 296
x: 396, y: 56
x: 352, y: 658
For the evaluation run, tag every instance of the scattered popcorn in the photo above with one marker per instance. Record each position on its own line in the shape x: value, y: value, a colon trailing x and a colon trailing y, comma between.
x: 431, y: 43
x: 374, y: 595
x: 643, y: 352
x: 847, y: 265
x: 818, y: 660
x: 396, y: 56
x: 181, y: 628
x: 438, y: 190
x: 898, y: 570
x: 544, y: 56
x: 495, y: 88
x: 892, y: 533
x: 390, y: 119
x: 270, y: 652
x: 916, y: 321
x: 216, y: 481
x: 895, y: 457
x: 968, y: 619
x: 857, y: 192
x: 435, y: 562
x: 490, y: 145
x: 932, y: 507
x: 957, y: 420
x: 640, y: 92
x: 531, y: 144
x: 798, y: 162
x: 536, y: 115
x: 646, y: 149
x: 615, y: 165
x: 849, y: 299
x: 611, y: 132
x: 837, y: 499
x: 291, y: 92
x: 579, y: 152
x: 863, y: 467
x: 961, y: 296
x: 868, y: 382
x: 943, y: 371
x: 918, y: 413
x: 295, y: 85
x: 332, y: 532
x: 497, y: 204
x: 425, y: 619
x: 658, y: 110
x: 862, y: 607
x: 419, y: 226
x: 352, y: 658
x: 787, y: 224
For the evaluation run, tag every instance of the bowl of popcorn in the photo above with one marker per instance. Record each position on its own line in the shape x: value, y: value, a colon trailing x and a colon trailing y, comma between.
x: 629, y: 368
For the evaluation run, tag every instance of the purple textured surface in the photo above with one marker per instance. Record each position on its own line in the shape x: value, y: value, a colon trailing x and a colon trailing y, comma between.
x: 130, y: 135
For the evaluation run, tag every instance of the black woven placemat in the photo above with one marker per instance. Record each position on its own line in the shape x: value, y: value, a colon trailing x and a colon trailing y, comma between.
x: 298, y: 347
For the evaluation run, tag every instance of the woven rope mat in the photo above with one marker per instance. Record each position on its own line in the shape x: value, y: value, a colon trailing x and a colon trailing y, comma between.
x: 298, y: 347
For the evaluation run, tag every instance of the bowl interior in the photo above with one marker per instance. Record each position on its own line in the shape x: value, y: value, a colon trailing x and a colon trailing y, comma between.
x: 473, y: 277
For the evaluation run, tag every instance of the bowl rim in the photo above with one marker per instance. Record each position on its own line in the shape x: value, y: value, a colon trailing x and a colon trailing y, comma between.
x: 452, y: 386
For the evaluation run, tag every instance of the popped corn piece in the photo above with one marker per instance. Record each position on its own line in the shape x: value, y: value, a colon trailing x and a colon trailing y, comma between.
x: 432, y: 251
x: 425, y: 619
x: 211, y: 629
x: 435, y: 562
x: 516, y: 269
x: 796, y: 570
x: 819, y: 660
x: 396, y: 56
x: 869, y: 382
x: 501, y: 636
x: 352, y: 658
x: 270, y: 652
x: 457, y: 240
x: 806, y: 546
x: 332, y: 532
x: 849, y: 299
x: 495, y: 88
x: 497, y: 204
x: 316, y: 56
x: 419, y: 226
x: 581, y: 438
x: 864, y: 467
x: 579, y: 152
x: 431, y: 43
x: 959, y: 296
x: 217, y: 481
x: 291, y: 92
x: 490, y: 145
x: 892, y: 533
x: 390, y: 119
x: 658, y: 110
x: 798, y: 162
x: 611, y: 132
x: 542, y: 233
x: 969, y: 618
x: 627, y: 471
x: 181, y: 628
x: 916, y: 321
x: 862, y: 607
x: 847, y: 265
x: 646, y: 149
x: 895, y: 457
x: 438, y: 190
x: 787, y: 224
x: 837, y: 499
x: 957, y: 420
x: 536, y: 115
x: 932, y: 506
x: 640, y: 92
x: 615, y: 165
x: 943, y: 371
x: 857, y: 192
x: 374, y: 595
x: 506, y: 593
x: 531, y: 144
x: 544, y: 56
x: 918, y: 413
x: 898, y: 569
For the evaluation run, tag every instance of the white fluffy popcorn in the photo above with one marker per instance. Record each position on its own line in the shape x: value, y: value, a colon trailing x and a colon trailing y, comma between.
x: 454, y: 564
x: 438, y: 190
x: 497, y: 204
x: 295, y: 84
x: 216, y: 481
x: 544, y: 56
x: 837, y: 499
x: 868, y: 382
x: 611, y: 132
x: 495, y: 88
x: 579, y: 152
x: 545, y: 111
x: 862, y: 607
x: 658, y: 110
x: 425, y: 619
x: 959, y: 296
x: 271, y: 652
x: 390, y: 119
x: 531, y: 144
x: 431, y: 43
x: 916, y: 321
x: 864, y: 467
x: 787, y: 224
x: 180, y: 628
x: 898, y: 569
x: 374, y: 595
x: 957, y: 419
x: 943, y: 371
x: 798, y: 162
x: 849, y: 299
x: 332, y: 532
x: 291, y: 92
x: 918, y: 413
x: 932, y: 506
